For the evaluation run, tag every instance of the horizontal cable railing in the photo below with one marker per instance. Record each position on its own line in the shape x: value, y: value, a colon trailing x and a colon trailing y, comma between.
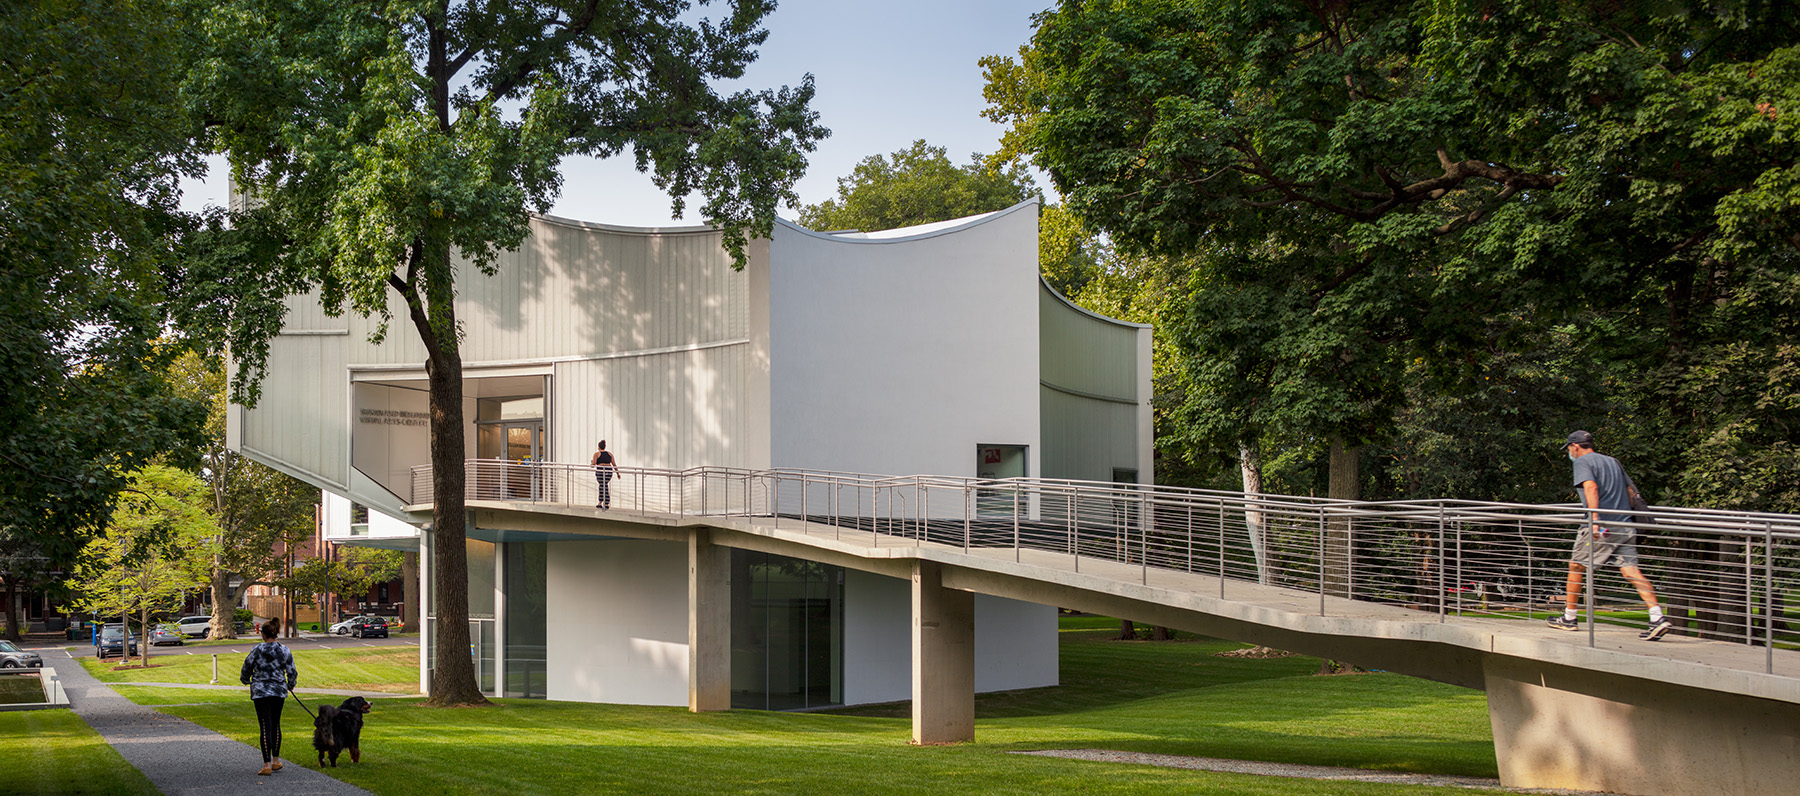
x: 1722, y: 575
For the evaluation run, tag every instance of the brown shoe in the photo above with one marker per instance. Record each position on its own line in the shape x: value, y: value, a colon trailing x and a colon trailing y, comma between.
x: 275, y: 766
x: 266, y: 770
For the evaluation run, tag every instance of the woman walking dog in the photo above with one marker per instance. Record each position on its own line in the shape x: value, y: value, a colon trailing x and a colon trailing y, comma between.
x: 269, y: 671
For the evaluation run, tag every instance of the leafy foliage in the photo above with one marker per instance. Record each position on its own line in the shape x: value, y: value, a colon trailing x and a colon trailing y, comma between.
x: 389, y: 151
x: 92, y: 139
x: 1383, y: 208
x: 353, y: 572
x: 917, y: 185
x: 259, y: 511
x: 153, y: 553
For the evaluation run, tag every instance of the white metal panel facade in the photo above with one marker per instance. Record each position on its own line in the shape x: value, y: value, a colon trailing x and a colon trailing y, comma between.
x: 301, y: 424
x: 675, y: 410
x: 1095, y: 395
x: 901, y: 354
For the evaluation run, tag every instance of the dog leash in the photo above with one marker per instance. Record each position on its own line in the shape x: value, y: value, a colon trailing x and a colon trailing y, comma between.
x: 301, y: 704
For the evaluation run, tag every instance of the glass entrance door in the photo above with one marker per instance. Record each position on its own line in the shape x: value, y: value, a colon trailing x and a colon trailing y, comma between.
x: 517, y: 446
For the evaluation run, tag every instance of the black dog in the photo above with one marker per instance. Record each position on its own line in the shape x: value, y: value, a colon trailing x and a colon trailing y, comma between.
x: 339, y: 728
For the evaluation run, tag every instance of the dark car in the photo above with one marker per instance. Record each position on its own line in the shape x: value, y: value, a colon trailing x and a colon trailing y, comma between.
x: 369, y: 627
x: 112, y: 641
x: 11, y: 657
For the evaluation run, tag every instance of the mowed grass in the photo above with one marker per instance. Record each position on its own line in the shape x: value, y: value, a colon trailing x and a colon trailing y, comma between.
x: 1166, y: 697
x: 388, y: 670
x: 54, y: 751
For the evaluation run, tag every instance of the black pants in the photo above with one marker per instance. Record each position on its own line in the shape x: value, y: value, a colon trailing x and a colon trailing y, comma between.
x: 605, y: 483
x: 268, y: 719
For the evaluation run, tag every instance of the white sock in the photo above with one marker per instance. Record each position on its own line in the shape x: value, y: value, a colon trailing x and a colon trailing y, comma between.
x: 1656, y: 614
x: 1569, y: 614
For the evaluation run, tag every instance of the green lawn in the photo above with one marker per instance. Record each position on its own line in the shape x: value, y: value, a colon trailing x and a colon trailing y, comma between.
x: 1168, y: 697
x: 392, y: 670
x: 54, y: 751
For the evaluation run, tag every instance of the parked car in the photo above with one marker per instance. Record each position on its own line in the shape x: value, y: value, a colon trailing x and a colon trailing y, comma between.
x: 113, y: 640
x: 369, y: 627
x: 166, y: 633
x: 11, y: 657
x: 195, y: 626
x: 343, y: 628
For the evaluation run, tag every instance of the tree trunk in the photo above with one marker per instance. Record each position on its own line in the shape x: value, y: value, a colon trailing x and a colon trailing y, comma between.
x: 1159, y: 633
x: 1250, y: 465
x: 1343, y: 484
x: 13, y: 632
x: 409, y: 595
x: 1127, y: 630
x: 224, y: 613
x: 452, y: 673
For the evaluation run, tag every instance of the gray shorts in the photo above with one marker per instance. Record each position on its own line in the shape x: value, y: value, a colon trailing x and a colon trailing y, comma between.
x: 1615, y: 547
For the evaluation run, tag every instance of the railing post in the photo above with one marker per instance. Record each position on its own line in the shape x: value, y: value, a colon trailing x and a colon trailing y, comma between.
x: 1768, y: 597
x: 1144, y: 523
x: 1440, y: 562
x: 1322, y: 567
x: 1222, y: 547
x: 1018, y: 556
x: 1459, y: 568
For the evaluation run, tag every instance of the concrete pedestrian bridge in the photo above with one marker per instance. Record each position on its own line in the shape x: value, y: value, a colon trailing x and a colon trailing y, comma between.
x: 1444, y: 590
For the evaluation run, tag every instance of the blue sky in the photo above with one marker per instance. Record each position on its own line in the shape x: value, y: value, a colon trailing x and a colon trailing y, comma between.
x: 887, y: 73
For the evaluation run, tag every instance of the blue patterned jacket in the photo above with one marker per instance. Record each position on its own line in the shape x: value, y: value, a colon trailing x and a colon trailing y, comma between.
x: 269, y: 670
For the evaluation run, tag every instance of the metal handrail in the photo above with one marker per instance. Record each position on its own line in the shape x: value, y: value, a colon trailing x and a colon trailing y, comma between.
x: 1730, y: 572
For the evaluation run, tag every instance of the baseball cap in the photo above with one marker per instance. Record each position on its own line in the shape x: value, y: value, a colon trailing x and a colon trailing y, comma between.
x: 1580, y: 438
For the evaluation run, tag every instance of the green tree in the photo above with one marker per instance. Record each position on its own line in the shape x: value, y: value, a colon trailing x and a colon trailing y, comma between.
x: 920, y: 185
x: 92, y: 140
x: 1384, y: 201
x: 260, y: 512
x: 153, y: 553
x: 917, y: 185
x: 381, y: 146
x: 352, y: 571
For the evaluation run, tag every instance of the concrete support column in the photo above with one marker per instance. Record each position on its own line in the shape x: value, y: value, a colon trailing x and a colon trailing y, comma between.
x: 709, y: 624
x: 1561, y: 727
x: 943, y: 664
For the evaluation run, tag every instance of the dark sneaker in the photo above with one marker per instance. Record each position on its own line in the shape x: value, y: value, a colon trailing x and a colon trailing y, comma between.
x: 1657, y: 630
x: 1561, y: 623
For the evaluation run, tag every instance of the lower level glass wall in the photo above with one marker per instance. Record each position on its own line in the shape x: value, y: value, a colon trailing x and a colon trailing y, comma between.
x: 481, y: 611
x: 527, y: 620
x: 787, y: 620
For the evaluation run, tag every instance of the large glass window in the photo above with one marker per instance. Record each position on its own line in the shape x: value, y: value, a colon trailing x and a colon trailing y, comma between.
x: 481, y: 610
x: 786, y: 632
x: 527, y: 620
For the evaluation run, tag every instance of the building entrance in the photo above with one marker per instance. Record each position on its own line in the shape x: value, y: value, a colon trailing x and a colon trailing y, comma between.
x: 511, y: 430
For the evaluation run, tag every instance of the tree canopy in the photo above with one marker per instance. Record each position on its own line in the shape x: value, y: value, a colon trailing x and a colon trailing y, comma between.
x: 152, y: 554
x: 1383, y: 202
x: 92, y: 140
x: 917, y: 185
x: 382, y: 147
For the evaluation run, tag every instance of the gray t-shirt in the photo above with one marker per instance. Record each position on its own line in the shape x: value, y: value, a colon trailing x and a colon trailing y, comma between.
x: 1609, y: 476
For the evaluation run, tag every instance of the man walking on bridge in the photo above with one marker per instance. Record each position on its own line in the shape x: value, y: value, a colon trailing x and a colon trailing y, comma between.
x: 1602, y: 484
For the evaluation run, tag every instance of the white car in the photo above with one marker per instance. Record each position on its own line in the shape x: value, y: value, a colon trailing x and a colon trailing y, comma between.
x: 195, y: 626
x: 343, y: 628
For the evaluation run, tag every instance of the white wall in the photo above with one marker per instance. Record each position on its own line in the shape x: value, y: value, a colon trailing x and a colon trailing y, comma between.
x: 899, y: 354
x: 618, y: 622
x: 877, y: 638
x: 1015, y: 642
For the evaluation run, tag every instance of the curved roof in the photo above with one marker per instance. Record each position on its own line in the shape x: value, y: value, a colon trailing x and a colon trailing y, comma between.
x: 904, y: 234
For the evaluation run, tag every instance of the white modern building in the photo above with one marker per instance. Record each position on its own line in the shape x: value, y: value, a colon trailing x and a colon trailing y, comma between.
x: 934, y: 349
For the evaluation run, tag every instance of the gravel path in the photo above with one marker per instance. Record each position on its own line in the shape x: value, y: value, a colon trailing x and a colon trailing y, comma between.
x: 181, y: 757
x: 1292, y: 770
